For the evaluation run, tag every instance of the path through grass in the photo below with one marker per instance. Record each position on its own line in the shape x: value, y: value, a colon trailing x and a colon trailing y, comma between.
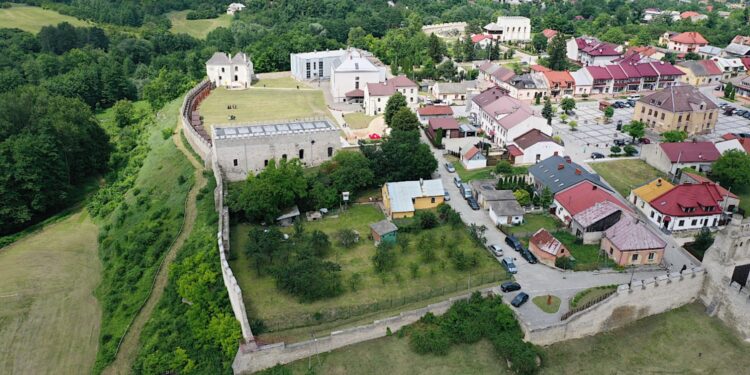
x: 49, y: 317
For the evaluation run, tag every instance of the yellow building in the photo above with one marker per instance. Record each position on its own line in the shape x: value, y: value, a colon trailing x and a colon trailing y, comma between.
x: 700, y: 72
x: 401, y: 199
x: 677, y: 108
x: 642, y: 196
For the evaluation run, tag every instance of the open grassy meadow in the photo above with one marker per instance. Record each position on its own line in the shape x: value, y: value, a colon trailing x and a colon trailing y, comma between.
x: 196, y: 28
x: 49, y: 317
x: 260, y: 104
x: 286, y: 82
x: 281, y: 311
x: 358, y: 120
x: 32, y: 19
x: 654, y: 345
x: 625, y: 175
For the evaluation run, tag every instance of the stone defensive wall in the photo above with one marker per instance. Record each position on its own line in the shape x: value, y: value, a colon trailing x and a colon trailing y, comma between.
x: 638, y: 300
x: 192, y: 127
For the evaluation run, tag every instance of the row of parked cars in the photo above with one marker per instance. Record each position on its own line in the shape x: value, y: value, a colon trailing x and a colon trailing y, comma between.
x: 463, y: 187
x: 730, y: 110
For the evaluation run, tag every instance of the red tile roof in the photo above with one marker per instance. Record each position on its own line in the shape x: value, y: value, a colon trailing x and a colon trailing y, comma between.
x: 690, y: 152
x: 476, y: 38
x: 400, y: 81
x: 705, y: 198
x: 389, y: 87
x: 503, y: 74
x: 745, y: 62
x: 711, y: 67
x: 560, y: 78
x: 632, y: 234
x: 531, y: 138
x: 356, y: 93
x: 514, y: 151
x: 471, y: 153
x: 700, y: 179
x: 689, y: 37
x: 598, y: 72
x: 666, y: 69
x: 616, y: 72
x: 546, y: 242
x: 549, y: 33
x: 447, y: 123
x: 539, y: 68
x: 435, y: 110
x: 601, y: 49
x: 584, y: 195
x: 689, y: 14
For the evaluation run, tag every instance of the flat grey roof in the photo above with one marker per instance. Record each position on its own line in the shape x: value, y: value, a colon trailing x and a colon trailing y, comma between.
x: 269, y: 129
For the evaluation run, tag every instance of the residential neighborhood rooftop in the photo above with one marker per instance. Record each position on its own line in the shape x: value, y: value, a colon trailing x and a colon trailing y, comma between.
x: 383, y: 227
x: 435, y: 110
x: 531, y: 138
x: 260, y: 130
x: 690, y: 152
x: 631, y: 233
x: 653, y: 189
x: 583, y: 195
x: 402, y: 193
x: 683, y: 98
x: 506, y: 208
x: 546, y: 242
x: 690, y: 200
x: 597, y: 212
x: 557, y: 174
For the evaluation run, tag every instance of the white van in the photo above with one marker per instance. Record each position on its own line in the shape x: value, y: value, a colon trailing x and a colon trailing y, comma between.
x: 634, y: 97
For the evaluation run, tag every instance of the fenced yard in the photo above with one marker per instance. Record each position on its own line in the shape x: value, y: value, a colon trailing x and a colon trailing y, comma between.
x: 413, y: 279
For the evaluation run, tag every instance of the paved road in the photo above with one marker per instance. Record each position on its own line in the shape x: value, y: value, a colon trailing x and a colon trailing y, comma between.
x: 535, y: 279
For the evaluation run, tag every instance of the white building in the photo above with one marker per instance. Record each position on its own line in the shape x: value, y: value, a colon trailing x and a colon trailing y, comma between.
x: 503, y: 118
x: 351, y: 73
x: 473, y: 159
x: 377, y: 94
x: 506, y: 212
x: 510, y: 29
x: 234, y: 8
x: 230, y: 72
x: 533, y: 147
x: 314, y: 65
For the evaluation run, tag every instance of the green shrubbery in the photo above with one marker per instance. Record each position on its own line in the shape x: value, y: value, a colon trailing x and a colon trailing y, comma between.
x: 469, y: 321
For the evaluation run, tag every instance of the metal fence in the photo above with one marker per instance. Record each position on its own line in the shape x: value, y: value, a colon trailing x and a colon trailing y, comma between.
x: 307, y: 319
x: 587, y: 305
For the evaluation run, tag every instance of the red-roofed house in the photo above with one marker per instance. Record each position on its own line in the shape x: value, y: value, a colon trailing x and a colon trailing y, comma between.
x: 700, y: 72
x: 546, y: 247
x: 549, y: 34
x: 481, y: 39
x: 504, y: 118
x: 733, y: 201
x: 377, y: 94
x: 671, y: 158
x: 685, y: 42
x: 539, y: 68
x: 473, y: 159
x: 631, y: 242
x: 688, y: 206
x: 433, y: 111
x: 693, y: 16
x: 580, y: 197
x: 559, y: 83
x: 449, y: 125
x: 532, y: 147
x: 599, y: 54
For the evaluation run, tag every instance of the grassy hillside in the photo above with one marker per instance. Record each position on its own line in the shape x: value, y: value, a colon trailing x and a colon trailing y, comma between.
x: 49, y: 318
x: 196, y: 28
x: 32, y: 19
x: 135, y: 236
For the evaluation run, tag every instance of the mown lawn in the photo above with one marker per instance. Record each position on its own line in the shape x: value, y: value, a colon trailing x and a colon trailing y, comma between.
x: 654, y: 345
x: 625, y: 175
x: 279, y: 83
x: 532, y: 223
x: 196, y: 28
x: 358, y: 120
x: 281, y: 311
x: 468, y: 175
x: 32, y: 19
x: 259, y: 104
x: 587, y: 256
x: 585, y: 296
x: 541, y: 303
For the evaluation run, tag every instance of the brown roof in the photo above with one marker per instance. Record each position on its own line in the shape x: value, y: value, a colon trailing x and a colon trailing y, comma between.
x: 471, y: 153
x: 684, y: 98
x: 546, y: 242
x: 690, y: 37
x: 633, y: 234
x: 531, y: 138
x: 503, y: 74
x: 448, y: 123
x: 356, y: 93
x: 434, y: 110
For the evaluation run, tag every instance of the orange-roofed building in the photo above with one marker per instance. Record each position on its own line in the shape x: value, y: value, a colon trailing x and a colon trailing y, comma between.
x: 546, y: 247
x: 559, y: 83
x: 686, y: 42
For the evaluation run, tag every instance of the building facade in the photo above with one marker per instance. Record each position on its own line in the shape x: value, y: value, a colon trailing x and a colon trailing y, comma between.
x: 510, y: 29
x: 351, y: 73
x: 682, y: 108
x: 377, y: 94
x: 229, y: 71
x: 314, y: 65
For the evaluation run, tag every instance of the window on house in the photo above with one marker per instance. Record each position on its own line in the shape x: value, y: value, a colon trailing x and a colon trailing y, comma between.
x: 265, y: 163
x: 634, y: 257
x: 649, y: 112
x: 283, y: 156
x: 681, y: 223
x: 679, y: 118
x: 611, y: 250
x: 301, y: 154
x: 651, y: 256
x: 694, y: 222
x: 330, y: 151
x: 234, y: 162
x: 662, y: 116
x: 643, y: 109
x: 236, y: 68
x: 356, y: 85
x: 222, y: 70
x: 710, y: 115
x: 652, y: 214
x: 432, y: 200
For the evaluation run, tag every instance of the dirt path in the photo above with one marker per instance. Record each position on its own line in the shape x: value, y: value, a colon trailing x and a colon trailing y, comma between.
x: 130, y: 343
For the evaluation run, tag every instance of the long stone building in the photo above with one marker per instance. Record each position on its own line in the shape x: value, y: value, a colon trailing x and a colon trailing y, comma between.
x: 244, y: 149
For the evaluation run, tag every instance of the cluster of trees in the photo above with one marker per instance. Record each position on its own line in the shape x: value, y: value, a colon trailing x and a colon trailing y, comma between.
x: 732, y: 170
x: 49, y: 145
x: 297, y: 263
x: 524, y: 192
x: 467, y: 322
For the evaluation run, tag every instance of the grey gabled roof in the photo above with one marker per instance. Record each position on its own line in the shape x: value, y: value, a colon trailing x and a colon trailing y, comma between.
x: 506, y: 208
x: 383, y: 227
x: 218, y: 58
x: 557, y: 174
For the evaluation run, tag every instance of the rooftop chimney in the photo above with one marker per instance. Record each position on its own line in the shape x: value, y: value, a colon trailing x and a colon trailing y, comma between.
x: 561, y: 166
x: 658, y: 182
x: 421, y: 182
x: 578, y: 171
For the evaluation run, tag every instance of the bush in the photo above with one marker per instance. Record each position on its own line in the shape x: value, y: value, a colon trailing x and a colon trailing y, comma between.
x: 429, y: 339
x: 347, y: 238
x: 566, y: 263
x: 615, y: 149
x: 310, y: 278
x: 166, y: 133
x: 384, y: 259
x: 503, y: 167
x: 629, y: 150
x: 426, y: 219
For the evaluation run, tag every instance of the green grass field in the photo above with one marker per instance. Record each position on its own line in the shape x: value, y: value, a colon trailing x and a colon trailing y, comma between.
x: 358, y: 120
x: 278, y: 83
x: 262, y: 105
x: 49, y: 318
x: 278, y: 309
x: 587, y: 256
x: 468, y: 175
x: 625, y: 175
x: 541, y: 303
x: 532, y: 223
x: 32, y: 19
x: 654, y: 345
x: 196, y: 28
x: 585, y: 296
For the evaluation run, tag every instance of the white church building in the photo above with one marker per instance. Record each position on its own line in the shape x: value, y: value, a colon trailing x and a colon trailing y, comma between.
x: 352, y: 72
x: 225, y: 70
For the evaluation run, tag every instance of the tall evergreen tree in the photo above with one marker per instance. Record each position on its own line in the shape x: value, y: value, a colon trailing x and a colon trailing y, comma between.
x: 395, y: 102
x: 557, y: 51
x: 547, y: 110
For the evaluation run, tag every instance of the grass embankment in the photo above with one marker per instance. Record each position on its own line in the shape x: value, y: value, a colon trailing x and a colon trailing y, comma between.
x: 147, y: 204
x: 586, y: 296
x: 196, y: 28
x: 32, y: 19
x: 260, y: 104
x: 49, y: 318
x: 626, y: 175
x: 374, y: 292
x: 532, y: 223
x: 630, y: 349
x: 358, y: 120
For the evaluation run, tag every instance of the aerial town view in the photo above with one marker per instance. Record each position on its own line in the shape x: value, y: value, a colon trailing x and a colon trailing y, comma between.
x: 375, y: 187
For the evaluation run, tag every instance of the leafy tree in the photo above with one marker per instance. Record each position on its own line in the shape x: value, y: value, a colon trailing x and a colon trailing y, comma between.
x: 568, y: 104
x: 349, y: 171
x: 729, y: 91
x: 629, y: 150
x: 566, y: 263
x: 426, y: 219
x: 563, y: 118
x: 703, y: 240
x: 503, y: 167
x: 319, y: 244
x: 265, y: 246
x: 573, y: 125
x: 347, y: 238
x: 123, y: 111
x: 310, y: 278
x: 636, y: 129
x: 547, y: 110
x: 557, y: 51
x: 608, y: 113
x: 265, y: 196
x: 168, y: 85
x: 732, y: 170
x: 546, y: 198
x: 539, y: 41
x: 439, y: 137
x: 674, y: 136
x: 395, y: 103
x: 435, y: 48
x: 447, y: 70
x: 402, y: 157
x: 523, y: 197
x: 467, y: 49
x: 384, y: 259
x: 405, y: 120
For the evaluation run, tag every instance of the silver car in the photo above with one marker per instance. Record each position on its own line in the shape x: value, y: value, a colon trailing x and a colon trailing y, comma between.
x: 449, y: 167
x: 447, y: 197
x: 496, y: 249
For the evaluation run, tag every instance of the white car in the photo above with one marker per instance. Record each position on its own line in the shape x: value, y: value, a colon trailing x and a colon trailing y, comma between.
x: 496, y: 249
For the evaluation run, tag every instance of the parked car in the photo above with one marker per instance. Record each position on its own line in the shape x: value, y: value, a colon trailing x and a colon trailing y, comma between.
x: 729, y: 110
x: 449, y: 167
x: 747, y: 115
x: 514, y: 243
x: 457, y: 181
x: 520, y: 299
x: 496, y: 249
x: 743, y: 135
x: 618, y: 104
x: 740, y: 112
x: 717, y: 88
x: 447, y: 196
x: 597, y: 155
x: 473, y: 203
x: 631, y: 103
x: 466, y: 190
x: 526, y: 254
x: 634, y: 97
x: 510, y: 265
x: 645, y: 141
x: 620, y: 142
x: 510, y: 286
